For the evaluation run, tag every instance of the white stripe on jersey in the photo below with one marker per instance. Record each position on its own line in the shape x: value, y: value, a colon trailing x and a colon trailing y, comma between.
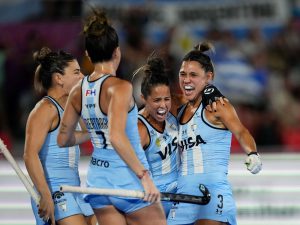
x: 72, y: 156
x: 166, y: 166
x: 198, y: 160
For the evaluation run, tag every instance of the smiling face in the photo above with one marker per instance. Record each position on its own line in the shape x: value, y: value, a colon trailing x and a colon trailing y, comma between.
x: 193, y: 79
x: 71, y: 76
x: 158, y: 102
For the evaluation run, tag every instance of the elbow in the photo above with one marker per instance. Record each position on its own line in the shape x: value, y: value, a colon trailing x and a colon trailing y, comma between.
x: 25, y: 158
x: 114, y: 138
x: 61, y: 141
x: 28, y: 158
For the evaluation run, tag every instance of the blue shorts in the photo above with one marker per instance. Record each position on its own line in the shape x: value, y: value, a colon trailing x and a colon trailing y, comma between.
x: 107, y: 170
x: 65, y: 205
x: 220, y: 208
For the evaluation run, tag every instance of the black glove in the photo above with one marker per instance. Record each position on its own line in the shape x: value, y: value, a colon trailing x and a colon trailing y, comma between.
x: 210, y: 94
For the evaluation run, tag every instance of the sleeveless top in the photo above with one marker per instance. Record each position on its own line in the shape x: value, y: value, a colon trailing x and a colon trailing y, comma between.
x: 96, y: 121
x: 60, y: 164
x: 204, y: 148
x: 162, y: 151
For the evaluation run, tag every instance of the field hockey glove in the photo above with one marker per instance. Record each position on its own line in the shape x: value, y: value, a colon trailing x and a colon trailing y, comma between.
x: 253, y: 162
x: 210, y: 95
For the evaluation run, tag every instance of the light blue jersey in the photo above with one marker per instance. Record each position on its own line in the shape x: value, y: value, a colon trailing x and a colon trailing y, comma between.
x: 205, y: 153
x: 60, y: 167
x: 204, y: 148
x: 106, y: 168
x: 162, y: 156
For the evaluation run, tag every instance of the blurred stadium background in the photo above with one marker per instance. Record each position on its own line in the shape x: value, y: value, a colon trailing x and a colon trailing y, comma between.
x: 257, y: 46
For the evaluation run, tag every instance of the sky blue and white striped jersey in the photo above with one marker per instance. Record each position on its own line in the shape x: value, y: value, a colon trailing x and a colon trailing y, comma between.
x: 162, y: 151
x: 60, y: 164
x: 204, y: 147
x: 97, y: 122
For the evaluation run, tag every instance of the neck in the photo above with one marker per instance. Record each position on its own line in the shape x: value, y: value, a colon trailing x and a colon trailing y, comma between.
x: 105, y: 68
x: 59, y: 95
x: 195, y: 102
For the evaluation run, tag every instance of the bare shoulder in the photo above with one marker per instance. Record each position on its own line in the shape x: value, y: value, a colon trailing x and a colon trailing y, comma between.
x: 43, y: 110
x: 141, y: 125
x: 142, y: 129
x: 117, y: 85
x: 143, y: 132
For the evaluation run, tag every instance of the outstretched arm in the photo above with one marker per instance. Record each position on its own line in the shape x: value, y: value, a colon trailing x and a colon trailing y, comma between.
x: 229, y: 118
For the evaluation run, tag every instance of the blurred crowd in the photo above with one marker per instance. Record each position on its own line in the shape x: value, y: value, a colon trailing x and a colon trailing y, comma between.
x: 259, y: 74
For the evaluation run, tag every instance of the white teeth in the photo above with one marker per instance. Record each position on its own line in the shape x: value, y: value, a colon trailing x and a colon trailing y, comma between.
x: 161, y: 111
x: 188, y: 87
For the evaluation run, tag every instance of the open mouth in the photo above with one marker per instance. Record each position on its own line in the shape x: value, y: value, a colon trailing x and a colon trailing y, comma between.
x: 188, y: 89
x: 161, y: 114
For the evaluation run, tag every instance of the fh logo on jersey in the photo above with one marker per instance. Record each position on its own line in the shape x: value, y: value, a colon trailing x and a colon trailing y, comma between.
x: 90, y: 92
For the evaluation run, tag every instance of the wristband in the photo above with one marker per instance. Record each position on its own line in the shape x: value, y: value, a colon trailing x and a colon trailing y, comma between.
x: 252, y: 153
x: 144, y: 172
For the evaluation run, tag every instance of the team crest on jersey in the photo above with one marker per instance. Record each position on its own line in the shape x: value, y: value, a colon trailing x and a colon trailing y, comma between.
x: 157, y: 142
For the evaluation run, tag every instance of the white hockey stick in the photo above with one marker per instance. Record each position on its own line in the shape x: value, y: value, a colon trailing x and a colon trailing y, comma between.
x: 194, y: 199
x: 25, y: 180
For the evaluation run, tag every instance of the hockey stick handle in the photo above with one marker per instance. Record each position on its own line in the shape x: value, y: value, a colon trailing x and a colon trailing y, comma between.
x: 103, y: 191
x: 27, y: 183
x: 25, y: 180
x: 202, y: 200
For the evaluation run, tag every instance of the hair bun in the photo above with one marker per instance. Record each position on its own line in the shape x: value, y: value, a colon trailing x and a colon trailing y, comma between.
x: 39, y: 56
x: 96, y: 23
x: 204, y: 46
x: 156, y: 66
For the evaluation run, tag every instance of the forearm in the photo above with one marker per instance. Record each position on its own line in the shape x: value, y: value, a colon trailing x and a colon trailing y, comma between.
x: 127, y: 153
x: 76, y: 138
x: 246, y: 141
x: 36, y: 173
x: 81, y: 137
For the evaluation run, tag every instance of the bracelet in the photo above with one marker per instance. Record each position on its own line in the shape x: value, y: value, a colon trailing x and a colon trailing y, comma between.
x: 252, y: 153
x: 144, y: 172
